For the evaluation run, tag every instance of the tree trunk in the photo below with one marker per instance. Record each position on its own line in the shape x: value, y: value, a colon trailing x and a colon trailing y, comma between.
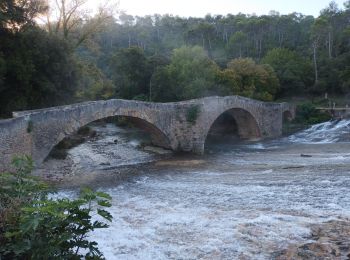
x: 260, y: 48
x: 315, y: 61
x: 203, y: 40
x: 330, y: 45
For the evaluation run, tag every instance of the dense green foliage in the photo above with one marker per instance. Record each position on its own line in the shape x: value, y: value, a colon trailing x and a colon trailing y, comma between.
x: 169, y: 58
x: 310, y: 56
x: 246, y: 78
x: 33, y: 225
x: 308, y: 114
x: 132, y: 72
x: 36, y: 69
x: 293, y: 70
x: 190, y: 74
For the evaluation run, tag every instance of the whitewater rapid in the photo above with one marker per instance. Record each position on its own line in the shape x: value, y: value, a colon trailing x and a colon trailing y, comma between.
x: 242, y: 201
x: 328, y: 132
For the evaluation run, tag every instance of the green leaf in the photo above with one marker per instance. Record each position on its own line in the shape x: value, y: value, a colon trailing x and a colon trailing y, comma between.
x: 105, y: 214
x: 104, y: 203
x: 103, y: 195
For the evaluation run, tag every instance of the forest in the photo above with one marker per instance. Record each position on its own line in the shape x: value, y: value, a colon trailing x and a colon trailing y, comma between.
x: 54, y: 53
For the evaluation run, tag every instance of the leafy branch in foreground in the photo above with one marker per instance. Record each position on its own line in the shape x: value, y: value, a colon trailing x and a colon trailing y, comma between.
x: 35, y: 226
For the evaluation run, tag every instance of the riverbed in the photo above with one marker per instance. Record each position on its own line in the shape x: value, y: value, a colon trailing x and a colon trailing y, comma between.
x: 276, y: 199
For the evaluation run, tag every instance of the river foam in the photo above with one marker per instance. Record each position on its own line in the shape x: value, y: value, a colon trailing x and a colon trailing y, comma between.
x: 219, y: 215
x: 247, y: 201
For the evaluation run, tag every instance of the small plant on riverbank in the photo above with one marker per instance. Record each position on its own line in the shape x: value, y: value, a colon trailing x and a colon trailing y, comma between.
x: 35, y: 226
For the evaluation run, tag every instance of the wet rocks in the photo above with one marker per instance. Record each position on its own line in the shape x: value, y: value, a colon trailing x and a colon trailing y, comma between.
x: 330, y: 240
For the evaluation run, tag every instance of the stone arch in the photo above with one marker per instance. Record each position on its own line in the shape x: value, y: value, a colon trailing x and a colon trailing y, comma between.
x: 247, y: 126
x: 69, y: 122
x: 157, y: 136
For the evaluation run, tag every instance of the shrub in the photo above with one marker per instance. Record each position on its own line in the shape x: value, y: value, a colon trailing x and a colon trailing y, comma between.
x: 308, y: 114
x: 35, y: 226
x: 192, y: 114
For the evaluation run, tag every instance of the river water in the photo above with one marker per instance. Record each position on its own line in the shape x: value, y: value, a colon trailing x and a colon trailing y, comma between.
x: 240, y: 200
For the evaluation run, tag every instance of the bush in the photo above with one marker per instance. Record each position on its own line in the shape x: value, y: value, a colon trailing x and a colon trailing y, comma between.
x: 308, y: 114
x: 192, y: 114
x: 35, y: 226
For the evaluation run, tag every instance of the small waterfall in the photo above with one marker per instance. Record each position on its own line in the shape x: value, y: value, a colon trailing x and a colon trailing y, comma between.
x: 328, y: 132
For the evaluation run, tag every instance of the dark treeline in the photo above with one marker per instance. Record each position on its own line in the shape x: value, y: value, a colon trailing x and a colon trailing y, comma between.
x: 169, y: 58
x: 36, y: 69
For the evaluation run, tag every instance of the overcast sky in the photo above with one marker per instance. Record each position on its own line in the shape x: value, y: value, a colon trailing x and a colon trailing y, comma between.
x: 199, y: 8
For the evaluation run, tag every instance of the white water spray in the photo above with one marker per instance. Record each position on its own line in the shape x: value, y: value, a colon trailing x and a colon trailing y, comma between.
x: 328, y: 132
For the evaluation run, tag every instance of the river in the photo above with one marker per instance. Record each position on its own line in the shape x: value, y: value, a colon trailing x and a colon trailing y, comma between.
x: 241, y: 200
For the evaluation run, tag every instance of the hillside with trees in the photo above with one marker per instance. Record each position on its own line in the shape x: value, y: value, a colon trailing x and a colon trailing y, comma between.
x: 111, y: 54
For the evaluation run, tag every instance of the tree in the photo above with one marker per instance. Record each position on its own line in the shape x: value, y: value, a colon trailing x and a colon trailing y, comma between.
x: 71, y: 19
x: 127, y: 20
x: 2, y: 71
x: 329, y: 14
x: 237, y: 42
x: 202, y: 33
x: 15, y: 14
x: 318, y: 31
x: 131, y: 72
x: 190, y: 74
x: 246, y: 78
x: 292, y: 70
x: 347, y: 4
x: 39, y: 71
x: 93, y: 83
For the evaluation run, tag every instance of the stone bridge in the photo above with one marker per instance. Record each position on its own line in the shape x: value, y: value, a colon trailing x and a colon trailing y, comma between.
x: 181, y: 126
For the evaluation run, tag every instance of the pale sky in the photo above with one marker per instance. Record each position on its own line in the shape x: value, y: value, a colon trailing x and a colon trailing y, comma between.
x: 199, y: 8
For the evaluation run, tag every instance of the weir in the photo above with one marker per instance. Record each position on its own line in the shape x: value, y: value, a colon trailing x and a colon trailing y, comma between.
x: 179, y: 126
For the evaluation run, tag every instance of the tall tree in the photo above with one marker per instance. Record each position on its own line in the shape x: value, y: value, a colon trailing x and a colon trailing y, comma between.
x: 329, y: 14
x: 237, y: 42
x: 318, y: 32
x: 72, y: 20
